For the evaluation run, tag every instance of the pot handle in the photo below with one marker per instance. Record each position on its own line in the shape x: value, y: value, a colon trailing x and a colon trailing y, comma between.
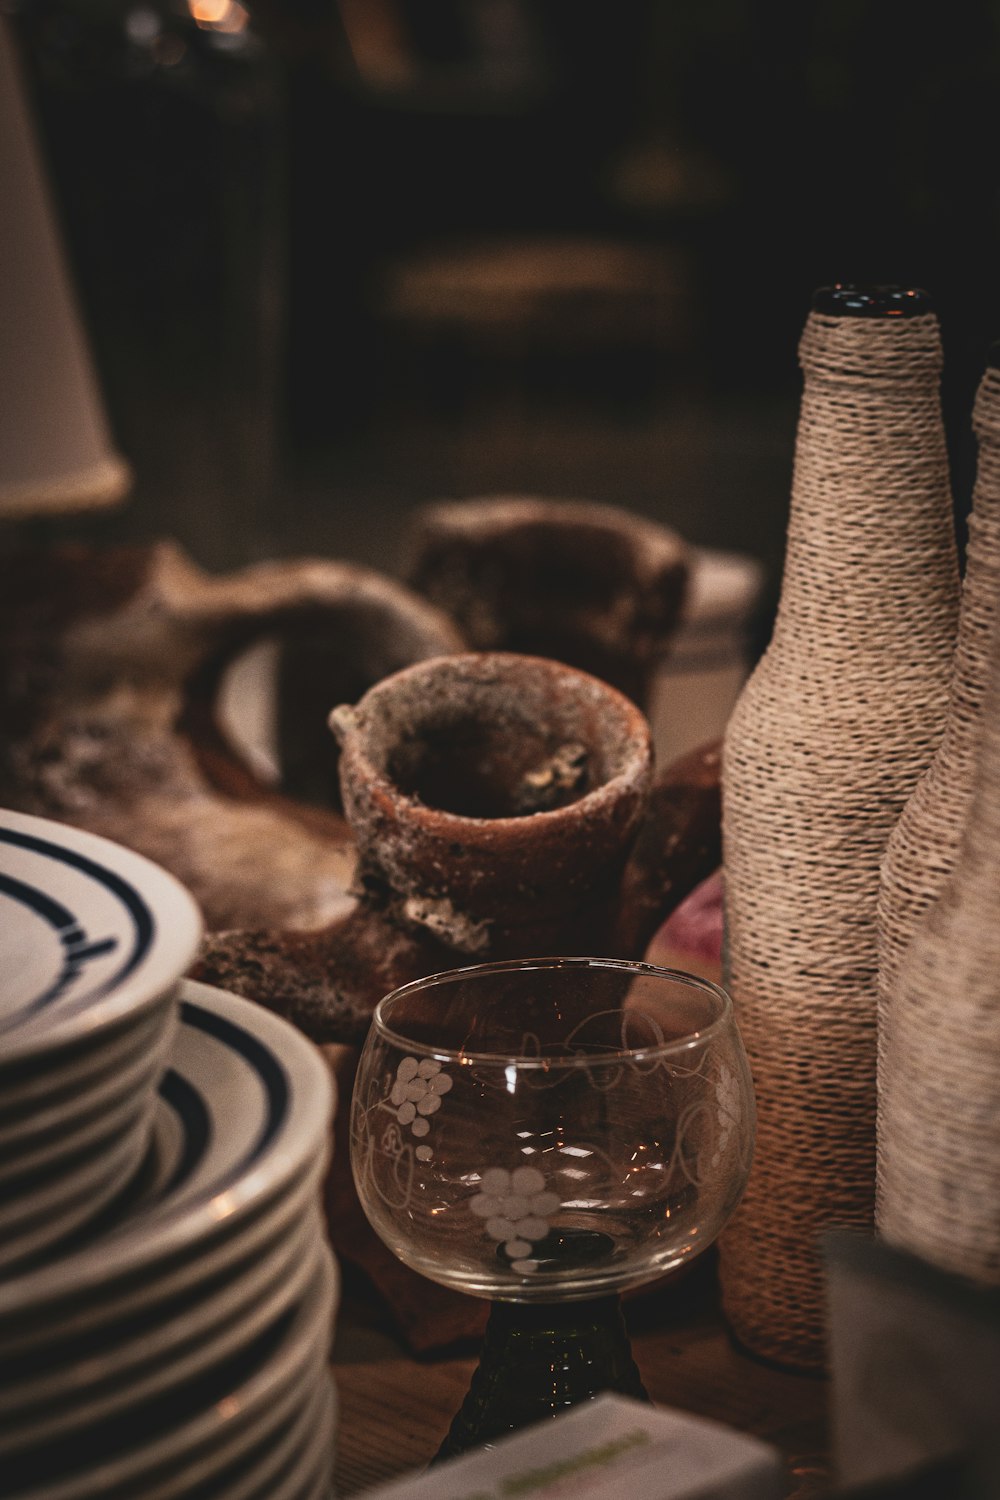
x: 679, y: 845
x: 297, y: 598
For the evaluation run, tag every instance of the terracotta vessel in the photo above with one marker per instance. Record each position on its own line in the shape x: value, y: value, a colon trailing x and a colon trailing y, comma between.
x: 110, y: 668
x: 502, y: 805
x: 590, y: 585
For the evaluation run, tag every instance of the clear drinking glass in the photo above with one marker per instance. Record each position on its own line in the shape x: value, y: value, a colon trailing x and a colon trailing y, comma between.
x: 546, y: 1133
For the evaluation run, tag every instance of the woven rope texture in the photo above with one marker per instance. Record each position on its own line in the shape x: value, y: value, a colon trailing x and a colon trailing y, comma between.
x: 924, y: 845
x: 941, y: 1100
x: 833, y: 730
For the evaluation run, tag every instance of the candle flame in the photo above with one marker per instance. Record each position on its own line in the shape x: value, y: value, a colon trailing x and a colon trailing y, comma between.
x: 219, y: 15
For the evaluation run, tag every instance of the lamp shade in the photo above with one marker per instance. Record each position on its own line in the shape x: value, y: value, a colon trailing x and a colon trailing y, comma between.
x: 56, y: 451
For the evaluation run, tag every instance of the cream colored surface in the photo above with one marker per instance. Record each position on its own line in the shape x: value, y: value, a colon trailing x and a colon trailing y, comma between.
x: 56, y: 452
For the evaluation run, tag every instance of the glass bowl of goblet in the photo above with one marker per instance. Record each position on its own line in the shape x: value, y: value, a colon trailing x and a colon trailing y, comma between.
x: 547, y: 1133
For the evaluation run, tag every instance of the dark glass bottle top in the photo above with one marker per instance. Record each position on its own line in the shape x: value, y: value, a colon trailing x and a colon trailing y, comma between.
x: 846, y: 300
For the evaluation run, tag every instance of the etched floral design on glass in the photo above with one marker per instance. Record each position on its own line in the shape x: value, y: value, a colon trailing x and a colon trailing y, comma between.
x: 517, y: 1208
x: 551, y: 1128
x: 727, y: 1095
x: 416, y: 1094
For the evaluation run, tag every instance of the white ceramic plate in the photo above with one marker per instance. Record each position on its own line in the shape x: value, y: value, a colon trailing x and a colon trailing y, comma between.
x: 293, y: 1374
x: 315, y: 1463
x: 134, y: 1089
x: 58, y: 1120
x: 171, y: 1463
x: 110, y: 1312
x: 43, y: 1196
x: 47, y: 1083
x: 295, y: 1458
x: 82, y: 1197
x: 89, y: 932
x: 157, y: 1363
x: 76, y: 1370
x: 248, y: 1102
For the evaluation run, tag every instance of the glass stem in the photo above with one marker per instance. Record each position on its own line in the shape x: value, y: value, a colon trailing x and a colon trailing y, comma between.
x: 539, y: 1359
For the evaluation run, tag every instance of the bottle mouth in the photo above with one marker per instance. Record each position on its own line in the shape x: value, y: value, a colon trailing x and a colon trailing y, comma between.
x: 847, y: 299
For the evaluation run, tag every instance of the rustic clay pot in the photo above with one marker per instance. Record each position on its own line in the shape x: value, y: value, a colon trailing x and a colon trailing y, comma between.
x: 591, y: 585
x: 110, y: 662
x: 494, y: 800
x: 502, y: 806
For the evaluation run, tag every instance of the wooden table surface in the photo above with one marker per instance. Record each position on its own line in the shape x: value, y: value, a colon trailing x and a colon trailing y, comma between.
x: 394, y: 1409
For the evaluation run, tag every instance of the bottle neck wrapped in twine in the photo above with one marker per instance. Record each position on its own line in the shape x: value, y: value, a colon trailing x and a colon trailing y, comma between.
x: 870, y: 437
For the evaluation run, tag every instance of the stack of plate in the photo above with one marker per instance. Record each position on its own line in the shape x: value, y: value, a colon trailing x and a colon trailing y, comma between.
x: 179, y: 1346
x: 93, y: 939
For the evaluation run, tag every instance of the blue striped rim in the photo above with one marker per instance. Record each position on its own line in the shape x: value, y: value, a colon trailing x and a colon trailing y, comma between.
x: 194, y: 1113
x: 191, y: 1109
x: 72, y: 934
x: 272, y: 1074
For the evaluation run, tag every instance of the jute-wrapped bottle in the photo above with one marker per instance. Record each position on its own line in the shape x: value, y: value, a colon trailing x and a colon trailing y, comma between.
x: 940, y: 1114
x: 826, y: 743
x: 924, y: 845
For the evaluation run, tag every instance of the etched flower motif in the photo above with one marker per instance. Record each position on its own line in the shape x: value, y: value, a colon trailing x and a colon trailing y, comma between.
x: 727, y: 1096
x: 517, y: 1209
x: 416, y: 1094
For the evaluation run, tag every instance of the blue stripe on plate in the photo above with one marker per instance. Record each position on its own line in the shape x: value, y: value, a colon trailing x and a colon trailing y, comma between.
x: 142, y: 918
x: 58, y: 916
x: 186, y: 1102
x: 77, y: 951
x: 194, y: 1112
x: 265, y: 1064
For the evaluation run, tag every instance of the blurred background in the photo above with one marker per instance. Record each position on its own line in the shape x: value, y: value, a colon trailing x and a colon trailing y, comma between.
x: 340, y: 257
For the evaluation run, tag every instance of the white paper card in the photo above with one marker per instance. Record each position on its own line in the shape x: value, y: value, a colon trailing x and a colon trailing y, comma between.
x: 604, y: 1450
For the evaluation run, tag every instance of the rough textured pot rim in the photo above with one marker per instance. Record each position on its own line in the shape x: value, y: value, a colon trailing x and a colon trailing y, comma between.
x: 486, y: 516
x: 637, y: 767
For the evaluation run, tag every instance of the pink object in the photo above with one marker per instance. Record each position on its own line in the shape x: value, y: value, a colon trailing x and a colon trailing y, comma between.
x: 695, y: 926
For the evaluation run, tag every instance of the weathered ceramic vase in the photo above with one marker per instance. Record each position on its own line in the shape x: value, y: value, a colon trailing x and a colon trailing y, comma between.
x: 495, y: 800
x: 502, y: 806
x: 111, y: 663
x: 591, y: 585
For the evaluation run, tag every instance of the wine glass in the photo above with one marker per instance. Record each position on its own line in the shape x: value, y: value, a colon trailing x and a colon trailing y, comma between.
x: 546, y: 1133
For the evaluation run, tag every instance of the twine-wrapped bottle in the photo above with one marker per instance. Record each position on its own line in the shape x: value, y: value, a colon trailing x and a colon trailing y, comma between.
x: 827, y: 741
x: 924, y: 845
x: 940, y: 1115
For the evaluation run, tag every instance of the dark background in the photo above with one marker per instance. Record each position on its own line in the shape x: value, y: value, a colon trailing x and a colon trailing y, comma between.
x: 249, y: 210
